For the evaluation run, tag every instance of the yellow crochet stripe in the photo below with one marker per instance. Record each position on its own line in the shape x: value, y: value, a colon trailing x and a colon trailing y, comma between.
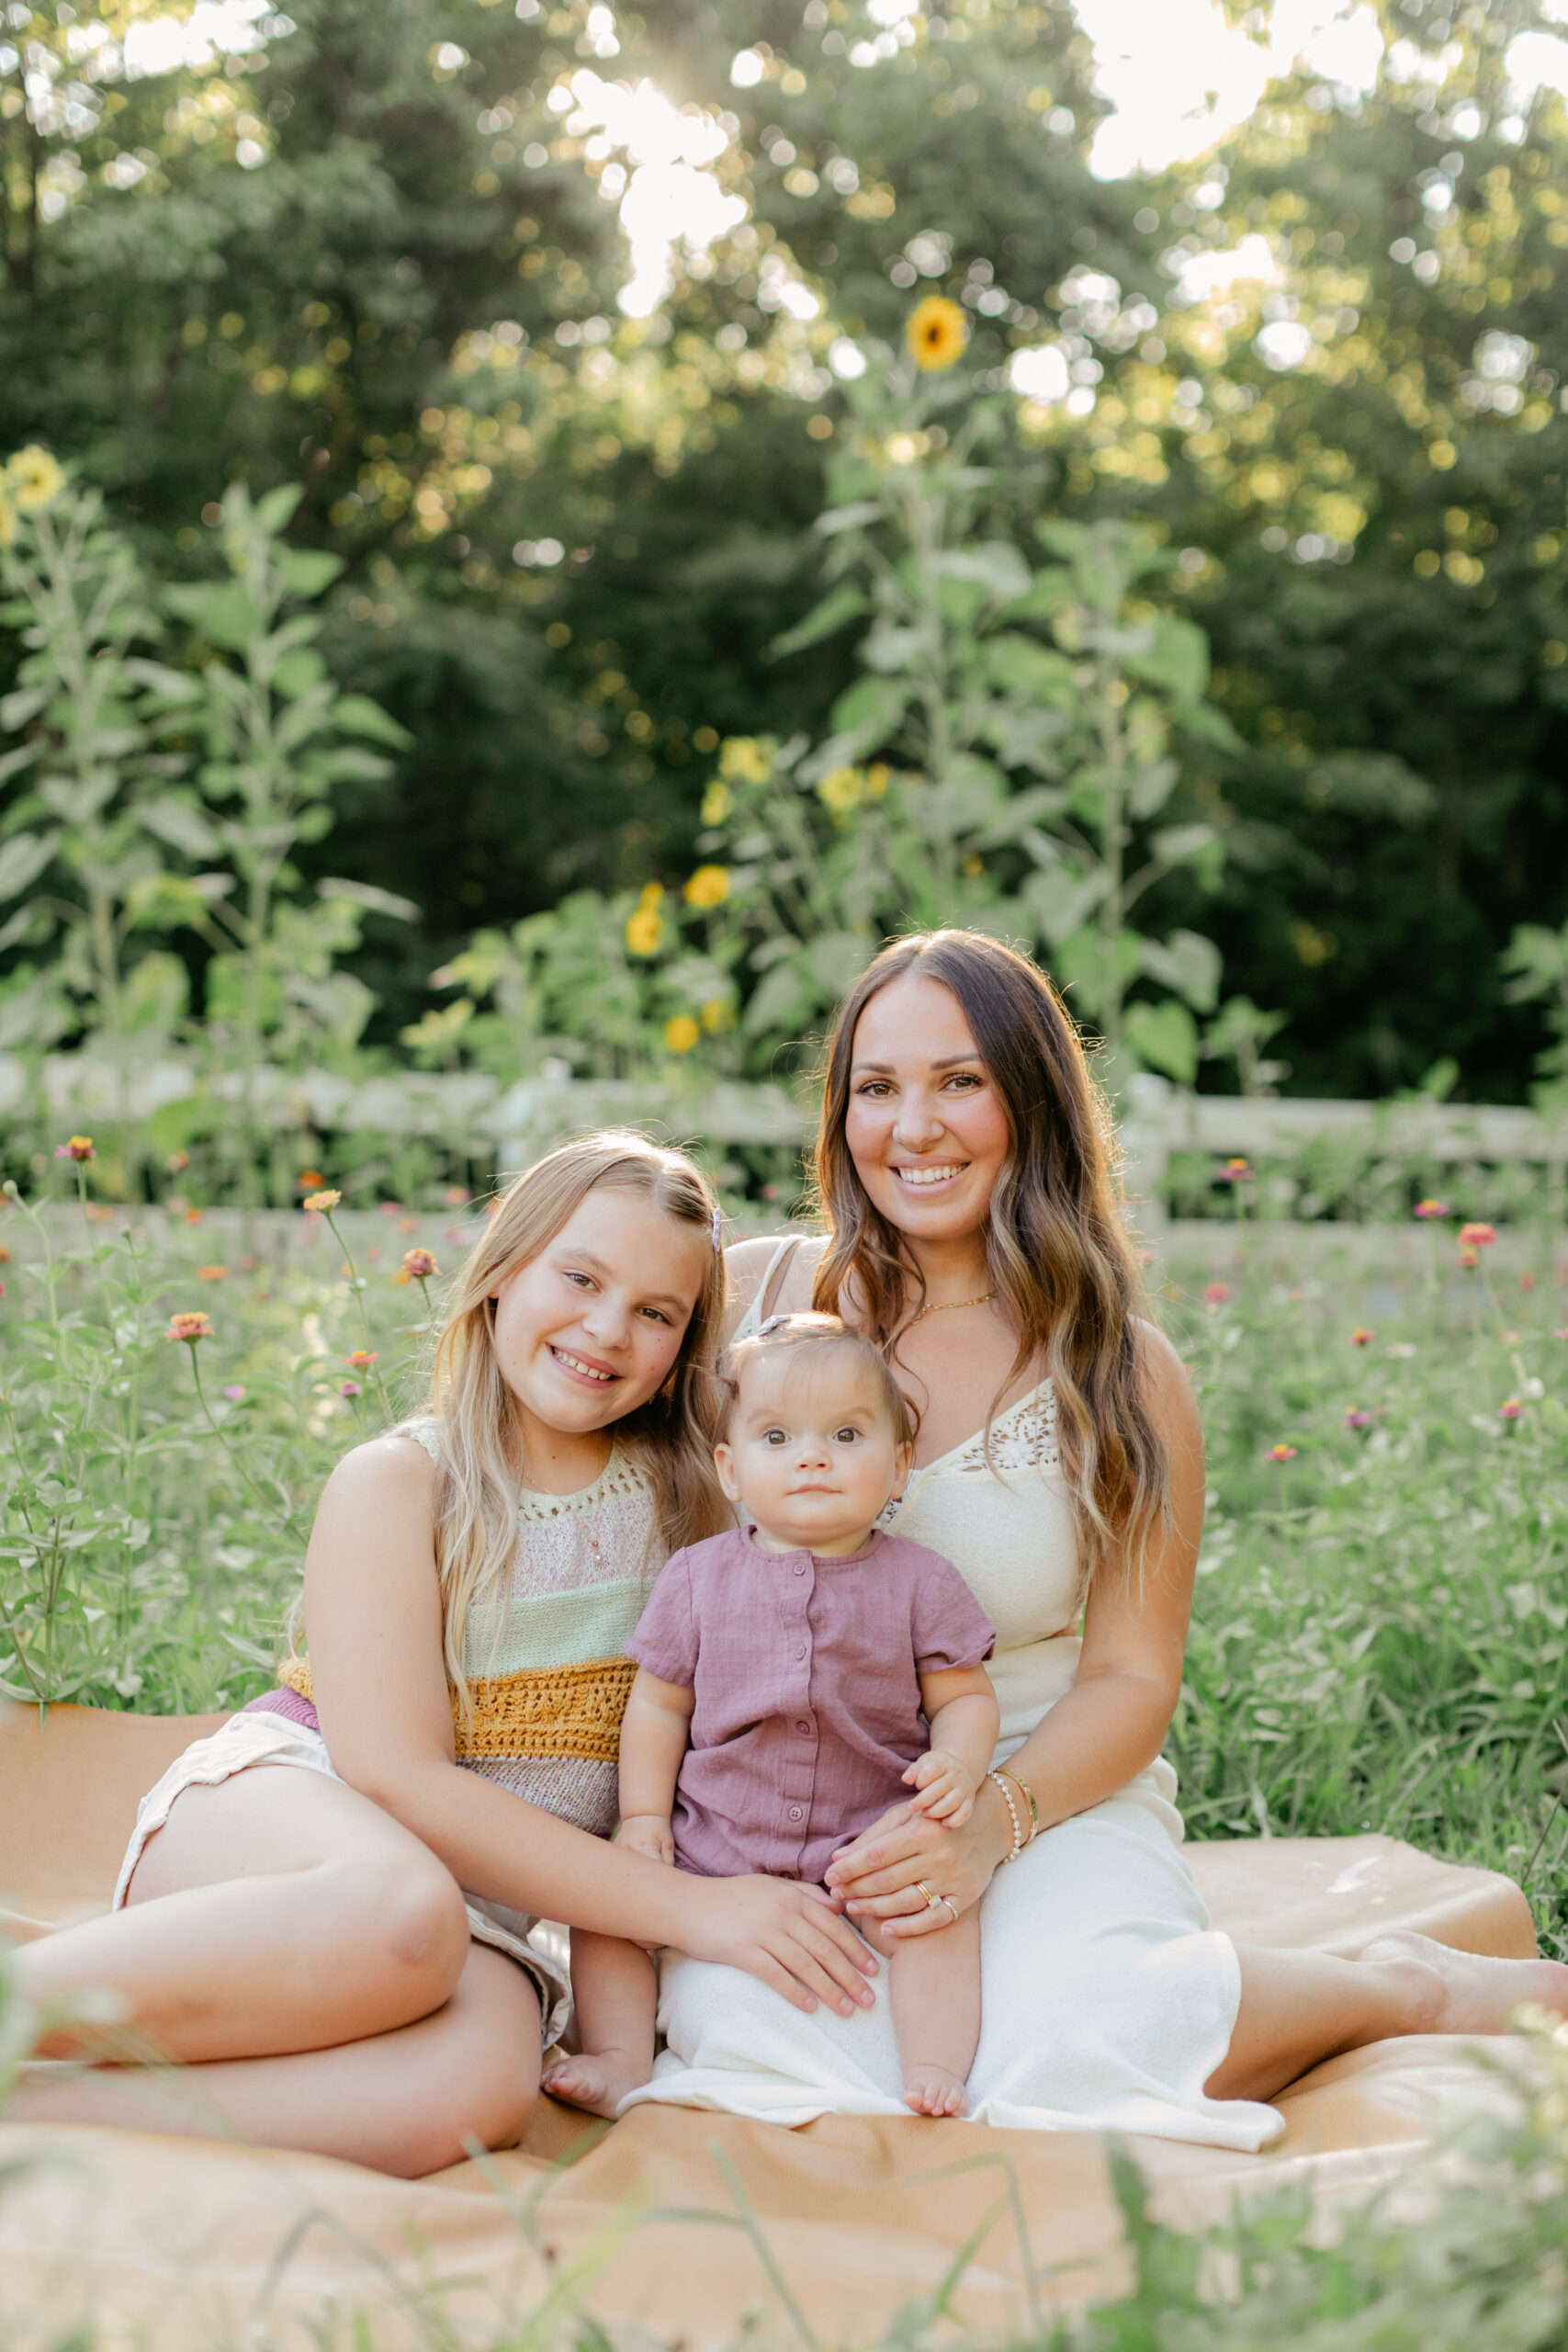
x: 552, y: 1711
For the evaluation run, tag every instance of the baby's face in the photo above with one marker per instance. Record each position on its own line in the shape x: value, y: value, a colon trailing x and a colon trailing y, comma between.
x: 811, y: 1456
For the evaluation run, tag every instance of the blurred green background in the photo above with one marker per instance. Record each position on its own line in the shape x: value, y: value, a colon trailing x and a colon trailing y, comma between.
x: 376, y: 247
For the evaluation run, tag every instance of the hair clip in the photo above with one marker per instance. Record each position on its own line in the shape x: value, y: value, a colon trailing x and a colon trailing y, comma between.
x: 717, y: 1231
x: 774, y: 1323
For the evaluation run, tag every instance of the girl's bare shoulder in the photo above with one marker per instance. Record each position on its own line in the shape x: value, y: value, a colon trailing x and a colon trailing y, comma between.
x: 395, y: 1469
x: 747, y: 1264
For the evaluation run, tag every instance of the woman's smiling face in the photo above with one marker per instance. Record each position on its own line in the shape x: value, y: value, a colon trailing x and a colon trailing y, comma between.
x: 589, y: 1330
x: 925, y: 1126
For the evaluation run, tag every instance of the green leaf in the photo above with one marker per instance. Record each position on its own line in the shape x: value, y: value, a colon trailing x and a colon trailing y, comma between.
x: 1152, y: 787
x: 1164, y: 1037
x: 1049, y: 590
x: 847, y: 519
x: 359, y: 715
x: 1064, y: 539
x: 1210, y: 726
x: 1178, y: 844
x: 842, y: 604
x: 869, y: 711
x: 225, y: 614
x: 22, y: 860
x: 994, y: 564
x: 25, y: 703
x: 366, y: 894
x: 298, y: 671
x: 1188, y: 962
x: 1178, y: 659
x: 277, y: 509
x: 308, y: 570
x: 22, y: 757
x: 181, y: 825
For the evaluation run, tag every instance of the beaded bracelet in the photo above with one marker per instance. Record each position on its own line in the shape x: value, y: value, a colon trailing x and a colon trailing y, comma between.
x: 1013, y: 1816
x: 1028, y: 1794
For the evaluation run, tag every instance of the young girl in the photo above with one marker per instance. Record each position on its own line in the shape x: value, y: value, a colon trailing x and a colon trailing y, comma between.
x: 287, y: 1919
x: 782, y: 1671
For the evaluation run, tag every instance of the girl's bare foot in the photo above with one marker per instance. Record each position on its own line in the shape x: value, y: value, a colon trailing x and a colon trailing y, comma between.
x: 1460, y: 1992
x: 935, y: 2090
x: 598, y: 2080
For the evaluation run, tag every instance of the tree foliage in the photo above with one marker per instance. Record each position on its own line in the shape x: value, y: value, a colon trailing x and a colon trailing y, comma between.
x: 382, y: 246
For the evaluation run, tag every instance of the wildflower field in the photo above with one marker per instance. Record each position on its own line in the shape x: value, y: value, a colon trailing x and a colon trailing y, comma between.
x: 1380, y: 1632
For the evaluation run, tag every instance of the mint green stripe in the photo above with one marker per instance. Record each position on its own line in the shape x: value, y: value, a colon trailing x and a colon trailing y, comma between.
x: 545, y: 1629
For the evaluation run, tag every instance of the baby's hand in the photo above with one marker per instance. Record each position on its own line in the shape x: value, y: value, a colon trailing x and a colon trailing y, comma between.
x: 647, y: 1832
x: 945, y: 1787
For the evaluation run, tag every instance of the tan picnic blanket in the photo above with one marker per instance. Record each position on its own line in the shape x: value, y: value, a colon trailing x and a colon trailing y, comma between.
x: 681, y: 2221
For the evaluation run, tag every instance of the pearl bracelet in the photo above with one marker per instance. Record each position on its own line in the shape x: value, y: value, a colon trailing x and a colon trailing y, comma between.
x: 1013, y: 1816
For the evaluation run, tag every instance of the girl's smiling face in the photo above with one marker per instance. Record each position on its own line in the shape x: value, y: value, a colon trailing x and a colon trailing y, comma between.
x: 590, y: 1329
x: 926, y: 1128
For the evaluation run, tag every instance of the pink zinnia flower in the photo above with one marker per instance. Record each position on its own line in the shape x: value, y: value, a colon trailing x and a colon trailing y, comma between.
x: 1509, y: 1409
x: 190, y: 1327
x: 1427, y: 1210
x: 76, y: 1147
x: 1215, y: 1293
x: 1355, y: 1418
x: 1477, y: 1237
x: 1361, y: 1337
x: 1280, y: 1453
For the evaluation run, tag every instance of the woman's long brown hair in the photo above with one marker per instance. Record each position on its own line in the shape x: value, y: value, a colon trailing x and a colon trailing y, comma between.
x: 1057, y: 1250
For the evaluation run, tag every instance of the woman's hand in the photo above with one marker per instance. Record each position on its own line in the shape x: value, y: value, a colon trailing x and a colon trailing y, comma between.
x: 788, y: 1936
x: 878, y: 1873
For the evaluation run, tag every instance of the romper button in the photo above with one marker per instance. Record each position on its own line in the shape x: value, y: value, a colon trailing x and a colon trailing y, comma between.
x: 800, y: 1568
x: 795, y: 1813
x: 801, y: 1651
x: 802, y: 1727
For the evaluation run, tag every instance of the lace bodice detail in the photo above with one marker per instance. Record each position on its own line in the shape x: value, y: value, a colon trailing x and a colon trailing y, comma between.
x: 1023, y: 1437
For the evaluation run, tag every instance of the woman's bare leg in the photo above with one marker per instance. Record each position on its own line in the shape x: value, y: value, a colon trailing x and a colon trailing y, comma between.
x: 403, y: 2102
x: 1300, y: 2008
x: 278, y: 1911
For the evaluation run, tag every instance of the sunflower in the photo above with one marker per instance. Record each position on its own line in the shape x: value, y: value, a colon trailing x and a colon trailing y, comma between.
x: 937, y: 332
x: 33, y: 478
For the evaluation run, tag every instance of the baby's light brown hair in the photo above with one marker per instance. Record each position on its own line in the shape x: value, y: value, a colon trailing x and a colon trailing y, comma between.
x: 810, y: 1338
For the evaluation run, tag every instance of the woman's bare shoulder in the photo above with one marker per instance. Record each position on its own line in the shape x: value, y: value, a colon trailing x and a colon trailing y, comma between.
x: 1167, y: 1384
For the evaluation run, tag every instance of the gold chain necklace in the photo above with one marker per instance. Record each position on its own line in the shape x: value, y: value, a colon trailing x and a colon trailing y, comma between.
x: 943, y: 1305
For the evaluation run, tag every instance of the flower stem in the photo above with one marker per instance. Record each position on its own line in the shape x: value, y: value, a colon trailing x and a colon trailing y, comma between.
x: 287, y: 1519
x: 358, y: 1287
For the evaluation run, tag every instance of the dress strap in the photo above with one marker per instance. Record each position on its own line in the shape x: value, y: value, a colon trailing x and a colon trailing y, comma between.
x: 769, y: 1289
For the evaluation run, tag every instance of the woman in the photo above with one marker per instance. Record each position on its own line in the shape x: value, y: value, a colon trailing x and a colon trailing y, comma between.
x: 973, y: 1233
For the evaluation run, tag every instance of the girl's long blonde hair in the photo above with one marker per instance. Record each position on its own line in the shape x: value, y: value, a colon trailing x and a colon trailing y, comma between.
x: 1057, y: 1250
x: 479, y: 1469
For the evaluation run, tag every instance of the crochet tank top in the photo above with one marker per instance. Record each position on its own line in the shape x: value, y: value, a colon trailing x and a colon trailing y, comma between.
x: 544, y: 1646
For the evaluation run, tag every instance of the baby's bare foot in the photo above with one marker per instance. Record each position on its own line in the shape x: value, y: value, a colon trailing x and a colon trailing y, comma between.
x: 935, y: 2090
x: 598, y: 2080
x: 1464, y: 1992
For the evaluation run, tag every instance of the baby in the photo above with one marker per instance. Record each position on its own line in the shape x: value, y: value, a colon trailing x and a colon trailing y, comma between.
x: 784, y: 1671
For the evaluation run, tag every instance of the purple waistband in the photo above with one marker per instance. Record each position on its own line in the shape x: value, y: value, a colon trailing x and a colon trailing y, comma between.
x: 287, y: 1703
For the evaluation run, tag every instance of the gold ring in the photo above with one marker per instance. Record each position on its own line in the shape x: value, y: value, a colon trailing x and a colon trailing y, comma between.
x: 933, y: 1901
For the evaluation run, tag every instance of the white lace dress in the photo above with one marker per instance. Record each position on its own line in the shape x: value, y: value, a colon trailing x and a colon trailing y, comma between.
x: 1107, y: 1998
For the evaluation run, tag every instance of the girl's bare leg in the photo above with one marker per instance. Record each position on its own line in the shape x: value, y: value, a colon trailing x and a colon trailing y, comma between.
x: 1300, y: 2008
x: 936, y: 2011
x: 616, y: 1989
x: 278, y: 1911
x: 403, y: 2102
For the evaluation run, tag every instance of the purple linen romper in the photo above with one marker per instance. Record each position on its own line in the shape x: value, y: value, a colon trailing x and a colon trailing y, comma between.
x: 805, y: 1676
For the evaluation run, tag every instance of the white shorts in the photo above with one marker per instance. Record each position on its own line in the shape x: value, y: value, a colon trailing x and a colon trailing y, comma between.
x: 261, y: 1738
